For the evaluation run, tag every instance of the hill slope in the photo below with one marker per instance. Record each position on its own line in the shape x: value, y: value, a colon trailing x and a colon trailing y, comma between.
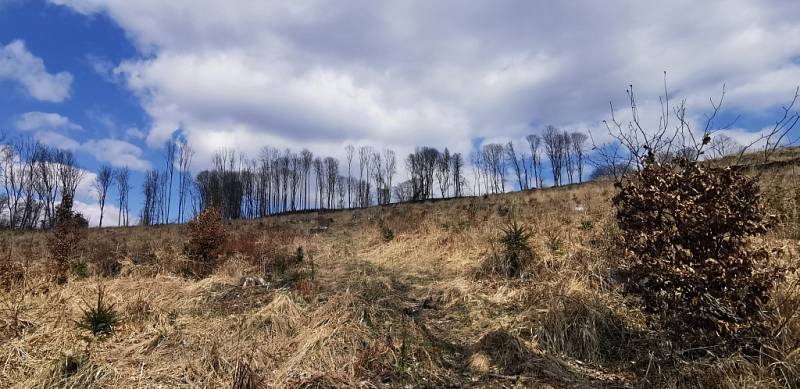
x: 360, y: 309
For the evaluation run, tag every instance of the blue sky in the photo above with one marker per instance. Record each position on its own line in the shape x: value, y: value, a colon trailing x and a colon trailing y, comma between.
x: 113, y: 79
x: 88, y: 107
x: 69, y: 42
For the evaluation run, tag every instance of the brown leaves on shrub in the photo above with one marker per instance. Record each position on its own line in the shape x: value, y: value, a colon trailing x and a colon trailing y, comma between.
x: 687, y: 230
x: 206, y: 242
x: 65, y: 239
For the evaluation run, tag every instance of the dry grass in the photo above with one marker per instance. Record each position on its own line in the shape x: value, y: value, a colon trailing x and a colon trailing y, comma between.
x: 373, y: 312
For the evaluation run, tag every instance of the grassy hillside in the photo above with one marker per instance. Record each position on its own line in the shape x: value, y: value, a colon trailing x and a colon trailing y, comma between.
x: 361, y: 309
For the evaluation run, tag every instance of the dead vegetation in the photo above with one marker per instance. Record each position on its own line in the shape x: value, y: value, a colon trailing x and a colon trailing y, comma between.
x: 689, y: 231
x: 347, y: 307
x: 63, y: 243
x: 205, y: 244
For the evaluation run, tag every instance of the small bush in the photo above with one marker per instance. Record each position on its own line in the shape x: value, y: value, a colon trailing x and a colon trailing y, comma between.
x: 386, y: 233
x: 515, y: 253
x: 80, y: 269
x: 687, y: 230
x: 103, y: 257
x: 99, y: 319
x: 65, y: 239
x: 282, y: 267
x: 139, y: 309
x: 142, y: 254
x: 554, y: 242
x: 206, y: 242
x: 12, y: 274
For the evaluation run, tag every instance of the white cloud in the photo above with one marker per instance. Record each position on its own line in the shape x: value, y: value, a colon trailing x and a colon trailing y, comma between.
x: 104, y: 119
x: 91, y: 211
x: 135, y: 133
x: 322, y: 73
x: 116, y: 152
x: 54, y: 139
x: 45, y: 120
x: 50, y: 127
x: 19, y: 65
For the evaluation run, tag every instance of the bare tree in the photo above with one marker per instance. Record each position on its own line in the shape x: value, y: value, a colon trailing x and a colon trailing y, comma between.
x: 578, y: 144
x: 535, y: 143
x: 349, y: 150
x: 569, y: 156
x: 123, y: 188
x: 554, y: 149
x: 457, y: 165
x: 404, y: 191
x: 723, y: 145
x: 319, y: 172
x: 307, y: 159
x: 185, y: 155
x: 170, y: 153
x: 12, y: 182
x: 69, y: 174
x: 331, y: 166
x: 476, y: 157
x: 422, y: 165
x: 776, y: 136
x: 101, y: 184
x: 443, y: 172
x: 150, y: 192
x: 390, y: 165
x: 495, y: 167
x: 634, y: 144
x: 363, y: 189
x: 517, y: 164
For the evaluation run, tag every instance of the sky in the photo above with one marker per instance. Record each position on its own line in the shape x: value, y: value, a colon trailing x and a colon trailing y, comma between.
x: 112, y: 80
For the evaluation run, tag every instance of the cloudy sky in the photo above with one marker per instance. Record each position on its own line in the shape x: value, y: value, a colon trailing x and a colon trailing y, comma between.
x: 113, y: 79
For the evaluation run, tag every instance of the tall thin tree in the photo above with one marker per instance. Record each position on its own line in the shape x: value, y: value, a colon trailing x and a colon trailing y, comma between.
x: 101, y: 184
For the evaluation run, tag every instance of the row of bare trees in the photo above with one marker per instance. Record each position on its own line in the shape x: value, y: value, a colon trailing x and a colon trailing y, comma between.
x: 34, y: 178
x: 432, y: 173
x: 283, y: 180
x: 276, y: 181
x: 565, y: 151
x: 158, y: 185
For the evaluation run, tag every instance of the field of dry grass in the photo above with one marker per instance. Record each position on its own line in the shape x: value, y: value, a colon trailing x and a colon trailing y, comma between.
x: 364, y: 311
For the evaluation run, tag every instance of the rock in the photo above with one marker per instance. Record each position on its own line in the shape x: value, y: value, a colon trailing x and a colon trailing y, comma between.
x: 318, y: 229
x: 252, y: 281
